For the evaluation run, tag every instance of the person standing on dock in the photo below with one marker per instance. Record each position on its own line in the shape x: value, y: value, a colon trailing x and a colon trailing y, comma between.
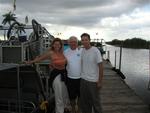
x: 58, y: 74
x: 91, y: 76
x: 73, y: 55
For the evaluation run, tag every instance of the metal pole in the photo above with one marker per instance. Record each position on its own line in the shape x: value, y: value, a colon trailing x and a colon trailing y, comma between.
x: 18, y: 85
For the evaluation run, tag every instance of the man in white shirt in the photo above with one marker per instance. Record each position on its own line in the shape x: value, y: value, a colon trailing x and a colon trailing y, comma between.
x: 73, y: 55
x: 91, y: 76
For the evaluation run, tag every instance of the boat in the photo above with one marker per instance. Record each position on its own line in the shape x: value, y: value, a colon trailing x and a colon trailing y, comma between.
x: 24, y: 87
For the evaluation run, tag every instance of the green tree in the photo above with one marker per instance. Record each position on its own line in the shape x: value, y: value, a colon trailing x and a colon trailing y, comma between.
x: 9, y: 18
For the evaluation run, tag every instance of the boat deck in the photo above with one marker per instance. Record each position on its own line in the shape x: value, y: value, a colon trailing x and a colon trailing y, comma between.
x: 117, y: 96
x: 4, y: 66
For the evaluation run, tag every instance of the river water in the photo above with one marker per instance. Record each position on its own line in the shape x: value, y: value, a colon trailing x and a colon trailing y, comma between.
x: 135, y: 66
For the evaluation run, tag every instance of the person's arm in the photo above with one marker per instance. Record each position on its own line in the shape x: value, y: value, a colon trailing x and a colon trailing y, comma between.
x: 101, y: 74
x: 39, y: 58
x: 65, y: 58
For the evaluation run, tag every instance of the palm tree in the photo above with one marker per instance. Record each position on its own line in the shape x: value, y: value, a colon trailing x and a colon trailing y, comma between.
x: 8, y: 18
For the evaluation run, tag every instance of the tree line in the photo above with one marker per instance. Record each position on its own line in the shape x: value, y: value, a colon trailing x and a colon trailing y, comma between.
x: 136, y: 43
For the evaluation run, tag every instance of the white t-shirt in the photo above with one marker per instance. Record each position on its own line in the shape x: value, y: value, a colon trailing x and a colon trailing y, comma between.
x: 90, y: 59
x: 73, y: 62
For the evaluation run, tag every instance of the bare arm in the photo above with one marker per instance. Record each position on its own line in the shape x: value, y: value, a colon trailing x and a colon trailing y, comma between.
x: 45, y: 56
x: 101, y: 74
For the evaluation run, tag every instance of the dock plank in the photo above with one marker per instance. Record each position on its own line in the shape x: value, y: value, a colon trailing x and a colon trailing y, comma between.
x: 117, y: 96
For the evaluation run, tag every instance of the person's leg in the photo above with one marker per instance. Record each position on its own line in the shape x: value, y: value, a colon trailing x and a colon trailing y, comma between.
x: 85, y: 97
x: 77, y: 107
x: 57, y: 86
x: 72, y: 93
x: 95, y: 98
x: 73, y: 103
x: 65, y: 95
x: 77, y: 86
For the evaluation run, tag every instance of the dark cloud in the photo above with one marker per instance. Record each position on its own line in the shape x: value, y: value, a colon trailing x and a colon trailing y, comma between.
x: 73, y: 12
x: 83, y: 13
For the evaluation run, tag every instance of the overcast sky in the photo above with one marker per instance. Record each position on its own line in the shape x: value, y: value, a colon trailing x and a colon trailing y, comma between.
x: 107, y: 19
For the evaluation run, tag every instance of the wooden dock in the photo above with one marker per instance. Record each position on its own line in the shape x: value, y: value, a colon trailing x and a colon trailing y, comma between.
x: 117, y: 96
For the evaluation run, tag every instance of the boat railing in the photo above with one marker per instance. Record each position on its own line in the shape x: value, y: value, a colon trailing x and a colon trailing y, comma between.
x: 22, y: 89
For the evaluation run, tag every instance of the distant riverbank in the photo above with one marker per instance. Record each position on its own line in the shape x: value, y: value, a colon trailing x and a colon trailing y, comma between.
x: 136, y: 43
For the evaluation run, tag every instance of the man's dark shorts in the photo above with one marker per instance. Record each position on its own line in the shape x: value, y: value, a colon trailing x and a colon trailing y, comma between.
x: 73, y: 86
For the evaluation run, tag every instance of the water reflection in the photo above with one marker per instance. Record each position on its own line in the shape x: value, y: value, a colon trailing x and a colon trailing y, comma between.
x: 135, y: 66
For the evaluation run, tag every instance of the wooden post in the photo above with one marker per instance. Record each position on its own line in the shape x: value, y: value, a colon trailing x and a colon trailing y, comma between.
x: 115, y: 58
x: 149, y: 70
x: 108, y: 55
x: 120, y: 56
x: 119, y: 70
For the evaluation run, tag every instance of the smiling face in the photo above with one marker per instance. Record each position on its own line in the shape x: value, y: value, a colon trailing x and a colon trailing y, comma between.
x: 85, y: 42
x: 73, y: 43
x: 56, y: 44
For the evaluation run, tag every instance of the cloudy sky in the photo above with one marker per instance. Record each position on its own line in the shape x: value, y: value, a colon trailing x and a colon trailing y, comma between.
x: 107, y: 19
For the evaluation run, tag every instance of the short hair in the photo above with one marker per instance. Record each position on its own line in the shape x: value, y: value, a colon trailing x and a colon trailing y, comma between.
x: 86, y: 35
x: 73, y: 37
x: 56, y: 40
